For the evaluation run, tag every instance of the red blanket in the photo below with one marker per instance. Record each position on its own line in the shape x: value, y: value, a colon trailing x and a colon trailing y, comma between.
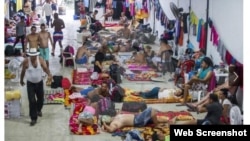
x: 81, y: 78
x: 111, y: 24
x: 73, y: 124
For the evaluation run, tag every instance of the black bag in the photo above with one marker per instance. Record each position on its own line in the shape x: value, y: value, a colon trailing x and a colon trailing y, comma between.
x: 117, y: 94
x: 57, y: 82
x: 134, y: 106
x: 106, y: 107
x: 115, y: 73
x: 9, y: 50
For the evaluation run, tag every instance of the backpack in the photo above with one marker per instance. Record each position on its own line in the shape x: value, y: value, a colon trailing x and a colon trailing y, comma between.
x: 69, y: 62
x: 134, y: 106
x: 117, y: 94
x: 115, y: 73
x: 106, y: 107
x: 57, y: 82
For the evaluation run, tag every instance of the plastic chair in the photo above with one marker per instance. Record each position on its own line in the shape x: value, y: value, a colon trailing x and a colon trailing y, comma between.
x: 71, y: 56
x: 199, y: 90
x: 186, y: 67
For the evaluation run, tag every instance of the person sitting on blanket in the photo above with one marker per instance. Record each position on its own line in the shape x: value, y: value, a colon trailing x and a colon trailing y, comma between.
x: 202, y: 78
x: 149, y: 54
x: 147, y: 116
x: 137, y: 57
x: 82, y: 54
x: 109, y: 13
x: 159, y: 93
x: 123, y: 19
x: 124, y: 32
x: 214, y: 112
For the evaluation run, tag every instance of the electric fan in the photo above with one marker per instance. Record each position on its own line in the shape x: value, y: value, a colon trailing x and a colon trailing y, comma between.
x: 235, y: 116
x: 13, y: 67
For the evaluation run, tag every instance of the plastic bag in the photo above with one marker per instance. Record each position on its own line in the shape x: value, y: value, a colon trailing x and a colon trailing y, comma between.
x: 94, y: 76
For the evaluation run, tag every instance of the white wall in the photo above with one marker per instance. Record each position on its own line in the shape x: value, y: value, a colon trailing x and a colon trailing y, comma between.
x: 227, y: 16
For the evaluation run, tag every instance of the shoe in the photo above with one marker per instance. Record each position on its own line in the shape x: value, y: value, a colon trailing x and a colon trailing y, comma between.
x: 40, y: 114
x: 33, y: 122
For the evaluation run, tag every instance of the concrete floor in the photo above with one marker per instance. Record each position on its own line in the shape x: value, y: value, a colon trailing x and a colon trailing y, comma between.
x: 53, y: 126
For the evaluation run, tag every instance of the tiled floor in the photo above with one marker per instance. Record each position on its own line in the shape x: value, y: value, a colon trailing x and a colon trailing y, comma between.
x: 53, y: 126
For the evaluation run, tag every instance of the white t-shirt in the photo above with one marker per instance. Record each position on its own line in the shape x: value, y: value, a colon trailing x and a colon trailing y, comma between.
x: 47, y: 9
x: 226, y: 102
x: 166, y: 93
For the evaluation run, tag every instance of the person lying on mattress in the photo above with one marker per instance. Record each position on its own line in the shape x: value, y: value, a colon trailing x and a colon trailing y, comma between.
x: 158, y: 92
x: 148, y: 116
x: 94, y: 94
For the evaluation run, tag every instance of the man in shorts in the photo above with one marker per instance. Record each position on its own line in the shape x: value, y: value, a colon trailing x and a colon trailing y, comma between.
x: 147, y: 116
x: 58, y: 25
x: 44, y: 37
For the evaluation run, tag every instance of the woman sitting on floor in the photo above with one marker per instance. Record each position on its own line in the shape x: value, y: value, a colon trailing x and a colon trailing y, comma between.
x: 202, y: 78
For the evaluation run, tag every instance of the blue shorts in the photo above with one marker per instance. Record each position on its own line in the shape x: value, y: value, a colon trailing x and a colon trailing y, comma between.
x: 57, y: 36
x: 143, y: 118
x: 82, y: 60
x: 44, y: 53
x: 85, y: 91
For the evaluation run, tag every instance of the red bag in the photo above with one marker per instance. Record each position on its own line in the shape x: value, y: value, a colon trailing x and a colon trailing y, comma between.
x: 66, y: 84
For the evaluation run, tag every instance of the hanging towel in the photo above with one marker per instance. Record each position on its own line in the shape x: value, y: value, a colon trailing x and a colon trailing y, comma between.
x: 199, y: 30
x: 214, y: 37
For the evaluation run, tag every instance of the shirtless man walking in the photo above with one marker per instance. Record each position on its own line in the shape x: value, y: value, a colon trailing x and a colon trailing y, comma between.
x: 58, y: 25
x: 33, y: 39
x: 44, y: 46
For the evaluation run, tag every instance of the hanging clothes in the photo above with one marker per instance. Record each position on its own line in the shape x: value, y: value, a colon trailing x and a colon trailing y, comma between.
x: 194, y: 21
x: 228, y: 57
x: 132, y: 9
x: 19, y: 5
x: 199, y: 30
x: 203, y: 37
x: 181, y: 36
x: 185, y: 22
x: 222, y: 50
x: 214, y: 37
x: 114, y: 4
